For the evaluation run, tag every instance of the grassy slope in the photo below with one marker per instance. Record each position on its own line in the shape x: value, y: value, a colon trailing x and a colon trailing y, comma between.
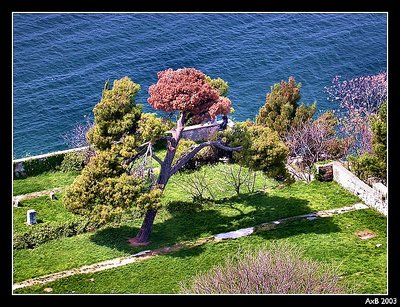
x: 362, y: 264
x: 47, y: 211
x: 42, y: 182
x: 172, y: 227
x: 328, y: 239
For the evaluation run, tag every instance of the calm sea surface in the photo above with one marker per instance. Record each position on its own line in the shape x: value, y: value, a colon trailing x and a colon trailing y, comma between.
x: 61, y: 61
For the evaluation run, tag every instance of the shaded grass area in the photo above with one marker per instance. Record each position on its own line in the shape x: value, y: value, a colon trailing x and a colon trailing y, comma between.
x: 42, y: 182
x: 47, y: 211
x: 362, y: 264
x: 319, y: 195
x: 171, y: 226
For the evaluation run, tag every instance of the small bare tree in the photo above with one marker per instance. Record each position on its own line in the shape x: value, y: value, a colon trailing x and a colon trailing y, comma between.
x: 77, y: 138
x: 238, y: 177
x: 315, y: 141
x: 198, y: 186
x: 251, y: 182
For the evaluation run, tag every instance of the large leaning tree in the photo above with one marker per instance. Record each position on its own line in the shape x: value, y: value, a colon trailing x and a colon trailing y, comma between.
x: 120, y: 175
x: 187, y: 92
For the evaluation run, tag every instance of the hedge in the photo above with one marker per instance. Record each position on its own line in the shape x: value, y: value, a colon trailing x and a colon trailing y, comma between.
x: 52, y: 162
x: 40, y: 234
x: 35, y: 167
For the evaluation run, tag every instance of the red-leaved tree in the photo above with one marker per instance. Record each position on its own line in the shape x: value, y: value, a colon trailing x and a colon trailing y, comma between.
x: 186, y: 92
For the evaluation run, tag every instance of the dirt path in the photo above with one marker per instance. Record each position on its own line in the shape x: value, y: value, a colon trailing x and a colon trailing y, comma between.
x: 19, y: 198
x: 117, y: 262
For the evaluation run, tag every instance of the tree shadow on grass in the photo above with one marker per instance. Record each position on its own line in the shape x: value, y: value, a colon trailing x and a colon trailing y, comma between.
x: 233, y: 213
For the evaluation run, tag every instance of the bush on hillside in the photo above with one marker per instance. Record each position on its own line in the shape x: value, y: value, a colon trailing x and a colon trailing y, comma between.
x: 281, y: 269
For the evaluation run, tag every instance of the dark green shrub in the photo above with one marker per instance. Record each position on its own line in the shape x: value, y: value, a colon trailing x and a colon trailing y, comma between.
x: 108, y: 184
x: 35, y: 167
x: 368, y: 165
x: 281, y: 110
x: 374, y: 164
x: 102, y: 191
x: 177, y: 207
x: 40, y: 234
x: 262, y: 149
x: 73, y: 161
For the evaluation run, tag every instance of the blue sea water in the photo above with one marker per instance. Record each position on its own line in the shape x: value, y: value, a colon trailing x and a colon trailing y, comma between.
x: 61, y: 61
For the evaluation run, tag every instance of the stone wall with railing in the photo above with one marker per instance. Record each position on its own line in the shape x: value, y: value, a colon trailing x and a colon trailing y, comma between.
x: 375, y: 197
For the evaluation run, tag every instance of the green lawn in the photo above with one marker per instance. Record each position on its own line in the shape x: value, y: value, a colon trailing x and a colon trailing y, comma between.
x: 42, y: 182
x: 173, y: 226
x: 362, y: 264
x: 329, y: 239
x: 47, y: 211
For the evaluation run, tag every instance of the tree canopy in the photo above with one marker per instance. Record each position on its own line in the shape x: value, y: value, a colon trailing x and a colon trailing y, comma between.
x: 262, y: 149
x: 120, y: 176
x: 281, y: 109
x: 186, y: 90
x: 105, y: 187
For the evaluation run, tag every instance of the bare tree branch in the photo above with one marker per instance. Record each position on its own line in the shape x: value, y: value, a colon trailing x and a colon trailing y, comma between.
x: 142, y: 149
x: 182, y: 161
x: 157, y: 158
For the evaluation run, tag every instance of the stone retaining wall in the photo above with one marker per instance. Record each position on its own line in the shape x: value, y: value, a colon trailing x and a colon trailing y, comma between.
x: 199, y: 132
x: 203, y: 131
x: 374, y: 197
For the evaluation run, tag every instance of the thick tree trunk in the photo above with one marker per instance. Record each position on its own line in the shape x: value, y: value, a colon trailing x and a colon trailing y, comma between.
x: 143, y: 236
x: 166, y: 171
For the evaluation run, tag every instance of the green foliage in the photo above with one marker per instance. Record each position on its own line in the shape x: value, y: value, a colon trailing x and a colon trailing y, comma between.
x: 151, y: 127
x: 34, y: 167
x: 281, y: 109
x: 374, y: 164
x: 304, y: 113
x: 150, y: 200
x: 103, y: 189
x: 115, y: 115
x: 368, y: 165
x: 39, y: 234
x: 379, y: 133
x: 261, y: 150
x: 73, y: 161
x: 219, y: 85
